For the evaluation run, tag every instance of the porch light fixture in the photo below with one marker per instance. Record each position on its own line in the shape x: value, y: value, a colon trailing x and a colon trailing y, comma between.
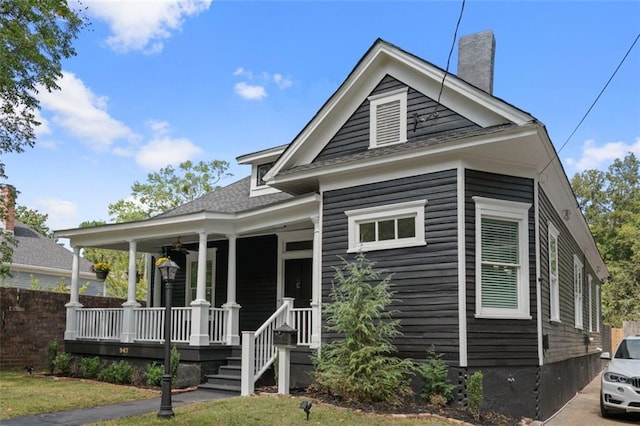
x: 168, y: 269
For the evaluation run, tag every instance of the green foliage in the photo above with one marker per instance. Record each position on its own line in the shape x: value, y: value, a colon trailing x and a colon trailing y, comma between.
x: 119, y: 372
x: 174, y: 362
x: 8, y: 241
x: 90, y: 367
x: 435, y: 374
x: 153, y: 374
x: 63, y: 363
x: 610, y: 202
x: 169, y: 188
x: 475, y: 392
x: 34, y: 220
x: 35, y: 36
x: 358, y: 365
x: 52, y: 353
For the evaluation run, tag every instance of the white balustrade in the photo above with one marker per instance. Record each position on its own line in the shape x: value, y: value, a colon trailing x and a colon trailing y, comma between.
x: 302, y: 323
x: 99, y: 323
x: 217, y: 321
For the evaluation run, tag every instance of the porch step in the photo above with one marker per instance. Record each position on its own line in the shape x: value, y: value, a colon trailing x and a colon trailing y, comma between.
x: 228, y: 378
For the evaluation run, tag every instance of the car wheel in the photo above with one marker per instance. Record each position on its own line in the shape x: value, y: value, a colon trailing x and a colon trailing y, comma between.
x: 603, y: 411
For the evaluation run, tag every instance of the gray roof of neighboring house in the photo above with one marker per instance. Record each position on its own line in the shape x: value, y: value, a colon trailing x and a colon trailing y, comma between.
x: 37, y: 250
x: 232, y: 198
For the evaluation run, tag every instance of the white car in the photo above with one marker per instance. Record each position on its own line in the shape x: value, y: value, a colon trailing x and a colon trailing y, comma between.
x: 620, y: 380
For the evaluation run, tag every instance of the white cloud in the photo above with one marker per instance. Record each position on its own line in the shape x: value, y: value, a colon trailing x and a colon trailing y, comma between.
x: 144, y: 25
x: 242, y: 72
x: 248, y: 91
x: 600, y: 157
x: 82, y: 113
x: 62, y: 214
x: 163, y: 150
x: 281, y: 81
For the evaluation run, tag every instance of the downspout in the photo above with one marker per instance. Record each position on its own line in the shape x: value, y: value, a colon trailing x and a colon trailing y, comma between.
x: 462, y: 268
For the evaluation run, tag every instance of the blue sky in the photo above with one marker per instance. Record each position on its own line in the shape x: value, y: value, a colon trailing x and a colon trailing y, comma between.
x: 158, y: 82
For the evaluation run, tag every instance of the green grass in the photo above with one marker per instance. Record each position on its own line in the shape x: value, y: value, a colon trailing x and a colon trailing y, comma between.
x: 22, y: 394
x: 273, y: 411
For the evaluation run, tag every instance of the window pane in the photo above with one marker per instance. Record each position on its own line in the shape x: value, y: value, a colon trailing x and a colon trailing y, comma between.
x: 499, y: 241
x: 262, y: 170
x: 553, y: 255
x: 386, y: 230
x: 367, y: 232
x: 407, y: 227
x: 499, y: 287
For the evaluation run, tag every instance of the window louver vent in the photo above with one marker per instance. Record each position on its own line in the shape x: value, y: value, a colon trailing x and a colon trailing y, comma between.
x: 388, y: 123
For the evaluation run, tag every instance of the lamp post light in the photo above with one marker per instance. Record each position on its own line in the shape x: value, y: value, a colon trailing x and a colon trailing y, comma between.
x: 168, y: 269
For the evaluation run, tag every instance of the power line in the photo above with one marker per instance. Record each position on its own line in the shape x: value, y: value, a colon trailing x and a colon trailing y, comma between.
x: 593, y: 104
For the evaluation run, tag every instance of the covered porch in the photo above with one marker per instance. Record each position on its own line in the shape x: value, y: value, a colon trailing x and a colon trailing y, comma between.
x: 240, y: 276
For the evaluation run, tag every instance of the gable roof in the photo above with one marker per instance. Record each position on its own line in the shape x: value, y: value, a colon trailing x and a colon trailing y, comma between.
x: 382, y: 59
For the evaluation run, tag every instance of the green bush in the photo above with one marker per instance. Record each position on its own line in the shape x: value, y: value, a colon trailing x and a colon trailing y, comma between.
x: 153, y: 374
x: 52, y: 352
x: 358, y: 365
x: 63, y: 363
x: 90, y: 367
x: 119, y: 372
x: 435, y: 374
x: 174, y: 362
x: 475, y: 392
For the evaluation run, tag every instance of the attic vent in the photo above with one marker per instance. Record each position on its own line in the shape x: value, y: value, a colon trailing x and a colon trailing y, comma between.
x: 388, y: 123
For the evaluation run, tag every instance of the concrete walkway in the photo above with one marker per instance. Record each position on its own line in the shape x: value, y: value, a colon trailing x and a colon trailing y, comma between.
x: 113, y: 411
x: 584, y: 410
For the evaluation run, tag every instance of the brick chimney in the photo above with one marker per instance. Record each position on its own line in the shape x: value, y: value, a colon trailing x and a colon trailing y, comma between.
x: 8, y: 208
x: 476, y: 53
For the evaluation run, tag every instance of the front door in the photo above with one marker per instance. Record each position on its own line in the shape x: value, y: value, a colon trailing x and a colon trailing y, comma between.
x: 297, y: 281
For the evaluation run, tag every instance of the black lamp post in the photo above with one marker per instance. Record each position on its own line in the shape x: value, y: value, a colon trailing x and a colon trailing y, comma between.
x: 168, y: 269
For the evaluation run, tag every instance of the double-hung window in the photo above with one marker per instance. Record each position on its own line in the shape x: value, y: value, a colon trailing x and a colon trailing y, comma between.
x: 502, y: 258
x: 577, y: 291
x: 386, y: 227
x: 388, y: 118
x: 554, y: 277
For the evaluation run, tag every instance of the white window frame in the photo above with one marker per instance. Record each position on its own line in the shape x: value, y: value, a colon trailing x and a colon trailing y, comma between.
x: 383, y: 98
x: 193, y: 258
x: 554, y: 276
x: 590, y: 284
x: 598, y: 308
x: 490, y: 208
x: 396, y: 211
x: 578, y: 292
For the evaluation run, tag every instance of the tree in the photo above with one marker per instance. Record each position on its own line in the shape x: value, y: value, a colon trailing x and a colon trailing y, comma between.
x: 169, y: 188
x: 34, y: 220
x: 35, y: 36
x: 610, y: 202
x: 357, y: 365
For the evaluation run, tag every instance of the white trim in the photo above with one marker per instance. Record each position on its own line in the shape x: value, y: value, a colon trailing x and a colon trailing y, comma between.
x: 413, y: 209
x: 375, y: 101
x: 554, y: 287
x: 598, y: 308
x: 536, y: 213
x: 507, y: 211
x: 590, y: 292
x: 283, y: 239
x: 257, y: 190
x: 578, y: 292
x: 462, y: 265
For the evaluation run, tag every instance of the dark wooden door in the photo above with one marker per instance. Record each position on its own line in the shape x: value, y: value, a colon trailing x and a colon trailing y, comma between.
x: 297, y: 281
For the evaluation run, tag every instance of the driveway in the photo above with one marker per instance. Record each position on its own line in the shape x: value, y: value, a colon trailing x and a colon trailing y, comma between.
x: 584, y: 409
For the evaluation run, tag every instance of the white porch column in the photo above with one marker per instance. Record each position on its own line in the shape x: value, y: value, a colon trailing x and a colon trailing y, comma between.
x: 232, y: 307
x: 200, y: 306
x: 316, y: 285
x: 128, y: 316
x: 71, y: 329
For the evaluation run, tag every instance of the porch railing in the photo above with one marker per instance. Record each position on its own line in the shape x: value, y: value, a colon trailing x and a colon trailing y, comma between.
x: 99, y: 323
x: 217, y: 322
x: 150, y: 324
x: 302, y: 323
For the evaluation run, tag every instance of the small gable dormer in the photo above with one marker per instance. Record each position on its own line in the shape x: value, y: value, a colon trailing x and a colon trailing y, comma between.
x: 261, y: 162
x: 387, y: 118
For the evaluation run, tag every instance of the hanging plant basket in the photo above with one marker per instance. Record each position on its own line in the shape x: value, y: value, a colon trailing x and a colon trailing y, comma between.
x: 102, y: 275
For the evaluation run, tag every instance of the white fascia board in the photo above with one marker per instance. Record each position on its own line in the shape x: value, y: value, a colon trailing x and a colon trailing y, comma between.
x: 260, y: 156
x: 298, y: 210
x: 45, y: 270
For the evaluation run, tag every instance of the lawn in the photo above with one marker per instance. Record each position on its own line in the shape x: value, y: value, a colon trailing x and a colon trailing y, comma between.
x: 22, y: 394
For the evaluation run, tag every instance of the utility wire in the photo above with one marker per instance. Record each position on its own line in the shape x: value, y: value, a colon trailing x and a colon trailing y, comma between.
x: 592, y: 105
x: 453, y: 43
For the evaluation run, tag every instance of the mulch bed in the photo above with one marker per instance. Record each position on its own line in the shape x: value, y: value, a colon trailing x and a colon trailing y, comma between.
x: 410, y: 407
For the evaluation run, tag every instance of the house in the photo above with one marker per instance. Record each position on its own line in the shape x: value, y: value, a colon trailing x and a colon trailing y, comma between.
x: 456, y: 192
x: 38, y: 262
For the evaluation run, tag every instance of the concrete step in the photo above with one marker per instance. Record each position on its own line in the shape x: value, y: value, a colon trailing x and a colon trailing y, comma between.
x: 232, y: 389
x: 224, y: 379
x: 230, y: 370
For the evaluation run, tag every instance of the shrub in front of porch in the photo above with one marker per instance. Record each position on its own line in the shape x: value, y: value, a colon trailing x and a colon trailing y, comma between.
x: 358, y: 366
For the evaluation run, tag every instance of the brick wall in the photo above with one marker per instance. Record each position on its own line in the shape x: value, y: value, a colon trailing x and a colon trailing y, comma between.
x: 30, y: 319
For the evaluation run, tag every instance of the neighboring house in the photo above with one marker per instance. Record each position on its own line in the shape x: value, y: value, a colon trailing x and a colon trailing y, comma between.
x: 38, y: 262
x: 464, y: 201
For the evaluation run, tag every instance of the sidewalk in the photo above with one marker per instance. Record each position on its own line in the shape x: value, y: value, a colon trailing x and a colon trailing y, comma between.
x: 113, y: 411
